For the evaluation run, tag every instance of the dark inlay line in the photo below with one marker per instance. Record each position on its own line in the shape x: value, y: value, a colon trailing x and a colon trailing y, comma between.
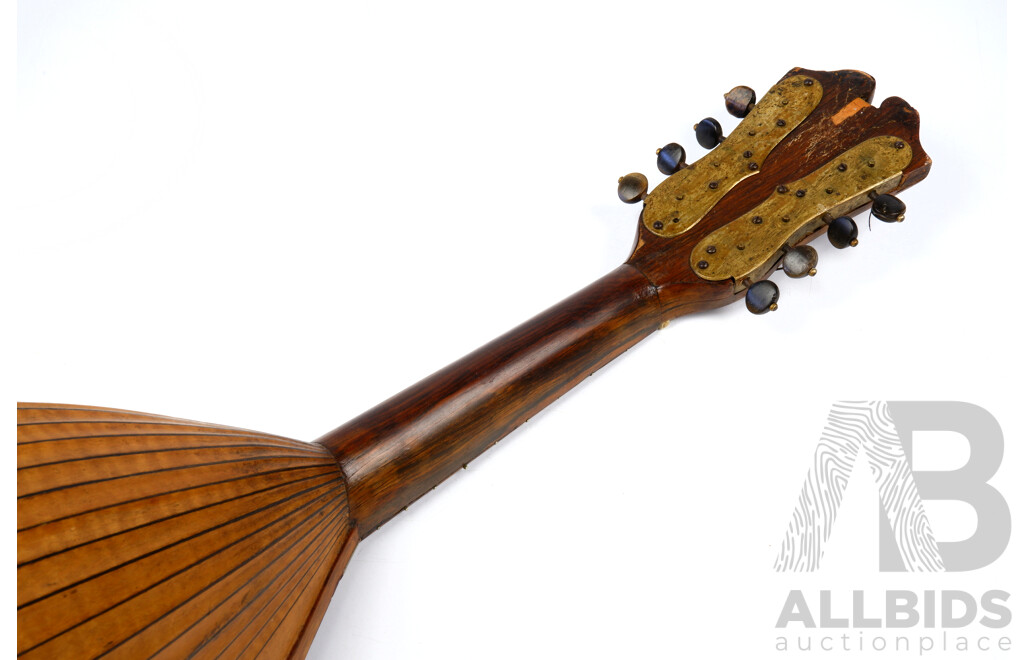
x: 116, y: 411
x: 139, y: 558
x: 161, y: 422
x: 97, y: 409
x: 176, y: 490
x: 176, y: 515
x: 57, y: 406
x: 254, y: 436
x: 328, y: 521
x: 182, y: 570
x: 170, y: 469
x: 84, y: 420
x: 349, y: 529
x: 164, y: 449
x: 291, y: 597
x: 146, y: 418
x: 127, y: 413
x: 312, y: 549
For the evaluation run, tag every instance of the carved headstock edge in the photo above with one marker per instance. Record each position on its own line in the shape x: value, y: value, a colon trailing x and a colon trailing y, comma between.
x: 842, y: 124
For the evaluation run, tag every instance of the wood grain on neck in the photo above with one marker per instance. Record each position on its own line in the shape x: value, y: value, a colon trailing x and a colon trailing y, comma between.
x: 399, y: 450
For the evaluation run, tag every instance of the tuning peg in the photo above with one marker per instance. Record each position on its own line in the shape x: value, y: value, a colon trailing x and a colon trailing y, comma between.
x: 740, y: 100
x: 887, y: 208
x: 800, y: 261
x: 632, y: 187
x: 709, y: 132
x: 762, y: 297
x: 671, y: 158
x: 842, y: 232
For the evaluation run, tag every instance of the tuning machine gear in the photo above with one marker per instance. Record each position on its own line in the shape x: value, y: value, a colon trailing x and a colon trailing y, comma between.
x: 800, y: 261
x: 887, y: 208
x: 740, y: 100
x: 842, y: 232
x: 632, y: 187
x: 762, y: 296
x: 709, y: 132
x: 671, y: 158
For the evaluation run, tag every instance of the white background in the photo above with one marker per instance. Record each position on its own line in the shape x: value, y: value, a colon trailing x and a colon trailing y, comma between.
x: 275, y: 215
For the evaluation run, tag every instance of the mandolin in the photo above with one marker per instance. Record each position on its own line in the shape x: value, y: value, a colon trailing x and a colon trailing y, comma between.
x: 142, y: 535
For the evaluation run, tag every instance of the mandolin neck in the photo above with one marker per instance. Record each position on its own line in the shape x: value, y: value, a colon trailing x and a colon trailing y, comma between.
x: 397, y: 451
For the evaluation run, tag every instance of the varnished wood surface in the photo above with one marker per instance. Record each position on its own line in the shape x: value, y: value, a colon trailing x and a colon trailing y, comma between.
x: 399, y: 450
x: 302, y: 644
x: 141, y: 535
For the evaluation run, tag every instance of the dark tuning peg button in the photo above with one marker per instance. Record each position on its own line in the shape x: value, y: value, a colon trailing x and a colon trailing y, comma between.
x: 887, y: 208
x: 762, y: 297
x: 709, y: 132
x: 800, y: 261
x: 739, y: 101
x: 671, y: 158
x: 842, y: 232
x: 632, y: 187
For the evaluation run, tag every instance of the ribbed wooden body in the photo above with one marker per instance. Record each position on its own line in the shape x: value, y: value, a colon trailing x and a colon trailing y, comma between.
x: 141, y: 535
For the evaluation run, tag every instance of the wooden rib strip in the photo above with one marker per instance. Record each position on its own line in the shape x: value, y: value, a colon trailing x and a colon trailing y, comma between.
x: 66, y: 609
x: 35, y: 412
x: 44, y: 432
x: 241, y: 586
x: 61, y: 475
x: 247, y: 602
x: 305, y: 614
x: 52, y: 537
x: 190, y: 608
x: 298, y: 591
x: 109, y: 609
x: 75, y: 439
x: 53, y: 505
x: 86, y: 561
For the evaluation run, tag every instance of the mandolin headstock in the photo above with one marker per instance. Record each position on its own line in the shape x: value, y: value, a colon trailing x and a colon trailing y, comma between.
x: 805, y: 158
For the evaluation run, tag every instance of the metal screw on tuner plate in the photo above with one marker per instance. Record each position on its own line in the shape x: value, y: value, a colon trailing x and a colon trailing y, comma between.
x: 887, y: 208
x: 762, y: 297
x: 671, y: 158
x: 800, y: 261
x: 740, y: 100
x: 709, y: 132
x: 632, y: 187
x: 842, y: 232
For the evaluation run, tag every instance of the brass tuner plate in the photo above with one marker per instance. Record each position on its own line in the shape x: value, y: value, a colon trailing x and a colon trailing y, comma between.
x: 685, y: 197
x: 752, y: 243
